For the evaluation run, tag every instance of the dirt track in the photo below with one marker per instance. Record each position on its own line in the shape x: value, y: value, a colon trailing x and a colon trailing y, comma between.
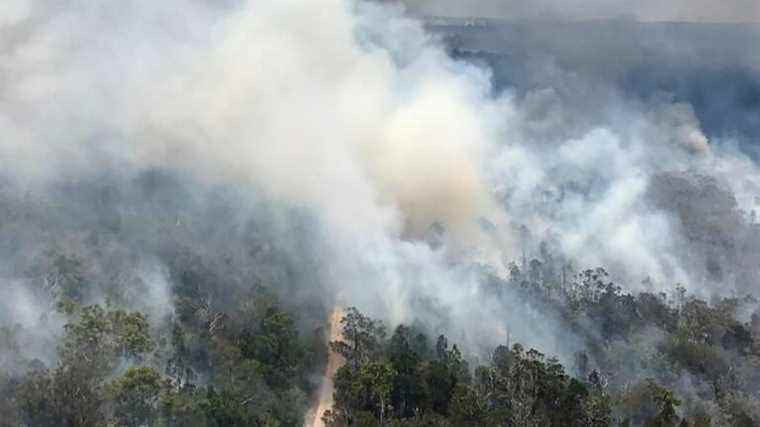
x: 334, y: 362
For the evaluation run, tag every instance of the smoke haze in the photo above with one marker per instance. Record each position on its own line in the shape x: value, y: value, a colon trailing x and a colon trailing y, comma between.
x: 356, y: 117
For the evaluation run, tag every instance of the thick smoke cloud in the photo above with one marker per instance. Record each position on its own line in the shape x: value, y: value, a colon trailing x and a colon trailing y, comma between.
x: 369, y: 128
x: 227, y: 100
x: 651, y: 97
x: 355, y: 116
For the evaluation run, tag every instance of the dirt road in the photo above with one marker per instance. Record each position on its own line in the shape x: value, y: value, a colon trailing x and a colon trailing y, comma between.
x: 334, y: 362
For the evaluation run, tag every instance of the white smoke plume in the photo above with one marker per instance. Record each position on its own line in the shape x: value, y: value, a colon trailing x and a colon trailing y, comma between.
x: 353, y: 112
x: 370, y: 127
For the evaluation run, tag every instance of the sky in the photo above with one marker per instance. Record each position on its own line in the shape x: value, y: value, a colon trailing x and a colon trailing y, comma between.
x: 643, y: 10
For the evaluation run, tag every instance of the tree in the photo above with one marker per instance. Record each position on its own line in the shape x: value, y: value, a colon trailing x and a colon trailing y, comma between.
x: 73, y: 393
x: 404, y: 352
x: 667, y: 403
x: 442, y: 375
x: 377, y: 380
x: 9, y: 411
x: 136, y: 396
x: 276, y: 347
x: 468, y: 408
x: 38, y: 404
x: 361, y: 338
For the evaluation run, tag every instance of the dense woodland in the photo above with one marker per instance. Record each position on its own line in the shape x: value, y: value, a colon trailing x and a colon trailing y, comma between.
x: 136, y: 303
x: 250, y: 366
x: 190, y: 188
x: 655, y: 360
x: 235, y: 346
x: 247, y: 366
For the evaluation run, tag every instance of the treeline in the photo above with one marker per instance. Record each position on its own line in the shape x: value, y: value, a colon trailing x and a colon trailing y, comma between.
x: 107, y: 319
x: 247, y: 367
x: 405, y: 380
x: 408, y: 380
x: 651, y: 359
x: 707, y: 353
x: 213, y: 320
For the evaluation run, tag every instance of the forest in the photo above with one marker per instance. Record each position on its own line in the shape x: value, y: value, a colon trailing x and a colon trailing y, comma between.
x: 379, y: 213
x: 236, y: 348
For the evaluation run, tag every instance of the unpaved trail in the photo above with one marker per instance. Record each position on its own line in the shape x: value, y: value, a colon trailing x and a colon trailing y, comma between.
x: 334, y: 362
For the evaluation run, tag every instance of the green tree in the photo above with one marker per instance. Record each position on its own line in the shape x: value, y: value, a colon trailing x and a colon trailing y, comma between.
x: 276, y: 347
x: 468, y: 408
x: 136, y: 396
x: 376, y: 379
x: 73, y: 394
x: 404, y: 351
x: 362, y: 338
x: 667, y: 404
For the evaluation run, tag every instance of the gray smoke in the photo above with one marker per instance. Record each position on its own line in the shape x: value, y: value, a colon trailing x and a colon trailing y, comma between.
x: 354, y: 117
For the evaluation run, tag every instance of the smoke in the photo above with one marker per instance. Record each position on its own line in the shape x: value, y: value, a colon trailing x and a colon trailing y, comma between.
x: 311, y: 106
x: 601, y: 113
x: 353, y: 115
